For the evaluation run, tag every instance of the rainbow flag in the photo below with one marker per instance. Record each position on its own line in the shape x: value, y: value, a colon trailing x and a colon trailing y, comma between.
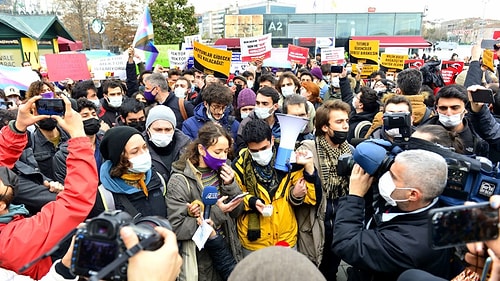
x: 144, y: 39
x: 20, y: 77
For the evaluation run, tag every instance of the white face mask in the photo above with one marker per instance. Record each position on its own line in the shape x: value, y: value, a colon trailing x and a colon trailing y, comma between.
x: 250, y: 84
x: 262, y: 112
x: 287, y: 91
x: 393, y: 133
x: 115, y: 101
x: 97, y: 103
x: 244, y: 115
x: 450, y: 121
x: 209, y: 115
x: 180, y: 92
x: 336, y: 82
x: 140, y: 163
x: 161, y: 140
x: 263, y: 157
x: 386, y: 186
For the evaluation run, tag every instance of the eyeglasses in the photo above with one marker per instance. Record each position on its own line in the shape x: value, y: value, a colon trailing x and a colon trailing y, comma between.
x: 218, y: 108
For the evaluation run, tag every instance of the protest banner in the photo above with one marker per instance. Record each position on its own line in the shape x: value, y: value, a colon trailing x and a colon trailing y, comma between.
x: 189, y: 40
x: 162, y: 58
x: 254, y: 48
x: 278, y: 58
x: 450, y: 71
x: 20, y: 77
x: 63, y: 66
x: 332, y: 56
x: 178, y: 59
x: 488, y: 60
x: 366, y: 50
x: 297, y: 54
x: 392, y: 61
x: 102, y: 67
x: 211, y: 60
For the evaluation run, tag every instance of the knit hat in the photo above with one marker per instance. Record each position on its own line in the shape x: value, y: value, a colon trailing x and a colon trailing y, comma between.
x: 316, y: 72
x: 11, y: 90
x: 240, y: 77
x: 114, y: 141
x: 161, y: 112
x: 9, y: 178
x: 262, y: 265
x: 246, y: 98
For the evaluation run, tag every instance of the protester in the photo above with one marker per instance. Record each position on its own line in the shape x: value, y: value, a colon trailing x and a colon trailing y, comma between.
x: 112, y: 101
x: 45, y: 229
x: 365, y: 104
x: 204, y: 164
x: 132, y: 114
x: 128, y: 180
x: 245, y: 104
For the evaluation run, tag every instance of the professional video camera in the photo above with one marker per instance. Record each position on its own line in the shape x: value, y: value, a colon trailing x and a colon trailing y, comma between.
x: 99, y: 243
x: 401, y: 123
x: 469, y: 179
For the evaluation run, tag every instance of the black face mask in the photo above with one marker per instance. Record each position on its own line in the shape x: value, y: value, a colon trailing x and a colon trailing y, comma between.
x: 338, y: 137
x: 139, y: 125
x: 47, y: 124
x: 91, y: 126
x: 238, y: 89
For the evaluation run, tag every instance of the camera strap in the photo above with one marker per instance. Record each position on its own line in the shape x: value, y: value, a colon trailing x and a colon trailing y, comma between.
x: 123, y: 257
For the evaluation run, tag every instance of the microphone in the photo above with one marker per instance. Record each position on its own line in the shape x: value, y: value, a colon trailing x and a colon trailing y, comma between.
x: 209, y: 197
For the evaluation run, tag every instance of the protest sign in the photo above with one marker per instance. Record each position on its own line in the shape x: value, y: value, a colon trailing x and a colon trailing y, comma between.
x: 63, y: 66
x: 101, y: 68
x: 253, y: 48
x: 211, y: 60
x: 332, y: 56
x: 297, y: 54
x: 450, y: 71
x: 366, y: 50
x: 178, y: 59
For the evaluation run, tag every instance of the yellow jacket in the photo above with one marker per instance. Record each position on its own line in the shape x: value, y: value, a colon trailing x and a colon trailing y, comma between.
x: 282, y: 224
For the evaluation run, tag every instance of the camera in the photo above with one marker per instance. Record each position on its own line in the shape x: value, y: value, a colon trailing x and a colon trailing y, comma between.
x: 400, y: 121
x: 99, y: 243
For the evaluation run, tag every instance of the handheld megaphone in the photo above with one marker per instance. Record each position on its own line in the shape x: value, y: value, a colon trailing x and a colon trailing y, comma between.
x: 290, y: 129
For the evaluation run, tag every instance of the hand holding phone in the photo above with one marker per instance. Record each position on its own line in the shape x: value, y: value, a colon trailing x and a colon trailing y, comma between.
x: 336, y: 69
x: 50, y: 107
x: 483, y: 96
x: 238, y: 197
x: 459, y: 225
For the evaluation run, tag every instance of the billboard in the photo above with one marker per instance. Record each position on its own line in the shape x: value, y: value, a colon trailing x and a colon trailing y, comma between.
x: 239, y: 26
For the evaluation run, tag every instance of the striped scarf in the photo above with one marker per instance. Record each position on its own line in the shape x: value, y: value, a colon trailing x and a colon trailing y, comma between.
x: 334, y: 186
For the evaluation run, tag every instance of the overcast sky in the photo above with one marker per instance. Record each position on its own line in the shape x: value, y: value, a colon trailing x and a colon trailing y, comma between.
x: 437, y: 9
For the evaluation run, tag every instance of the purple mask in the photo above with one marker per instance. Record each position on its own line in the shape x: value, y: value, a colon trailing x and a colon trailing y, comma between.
x: 212, y: 162
x: 148, y: 95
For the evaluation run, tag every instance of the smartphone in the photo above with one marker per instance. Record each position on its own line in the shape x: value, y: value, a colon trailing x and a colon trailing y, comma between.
x: 459, y: 225
x: 236, y: 197
x: 50, y: 107
x: 336, y: 69
x: 486, y: 269
x: 483, y: 95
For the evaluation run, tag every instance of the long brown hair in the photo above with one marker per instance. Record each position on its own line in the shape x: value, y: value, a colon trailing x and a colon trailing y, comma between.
x: 208, y: 135
x: 36, y: 88
x: 121, y: 168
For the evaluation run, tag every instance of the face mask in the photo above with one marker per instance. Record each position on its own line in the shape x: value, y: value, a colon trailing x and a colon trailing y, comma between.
x: 212, y: 162
x: 230, y: 84
x: 393, y: 133
x: 115, y: 101
x: 148, y: 95
x: 209, y: 115
x: 354, y: 102
x: 193, y: 88
x: 287, y: 91
x: 348, y: 69
x: 450, y: 121
x: 386, y: 186
x: 244, y: 115
x: 180, y: 92
x: 161, y: 140
x: 262, y: 112
x: 91, y: 126
x: 96, y: 102
x: 139, y: 125
x: 140, y: 163
x: 47, y: 124
x: 263, y: 157
x: 336, y: 82
x: 338, y: 137
x: 250, y: 84
x: 238, y: 89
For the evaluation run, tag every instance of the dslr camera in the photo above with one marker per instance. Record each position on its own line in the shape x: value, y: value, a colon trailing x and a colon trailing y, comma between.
x: 99, y: 243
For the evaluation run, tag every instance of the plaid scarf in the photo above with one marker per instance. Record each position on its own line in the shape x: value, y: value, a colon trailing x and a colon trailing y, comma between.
x: 334, y: 186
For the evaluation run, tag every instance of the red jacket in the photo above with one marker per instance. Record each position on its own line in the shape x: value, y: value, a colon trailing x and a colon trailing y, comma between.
x: 23, y: 240
x: 11, y: 146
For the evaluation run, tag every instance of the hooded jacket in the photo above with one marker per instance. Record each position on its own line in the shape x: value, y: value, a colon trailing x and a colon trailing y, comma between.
x: 108, y: 114
x: 192, y: 125
x: 56, y: 219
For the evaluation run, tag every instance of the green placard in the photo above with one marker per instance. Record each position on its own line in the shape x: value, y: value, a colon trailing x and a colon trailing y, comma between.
x: 162, y: 58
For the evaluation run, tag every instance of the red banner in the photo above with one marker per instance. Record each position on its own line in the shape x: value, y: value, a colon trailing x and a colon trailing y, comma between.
x: 450, y: 70
x: 413, y: 64
x: 297, y: 54
x: 63, y: 66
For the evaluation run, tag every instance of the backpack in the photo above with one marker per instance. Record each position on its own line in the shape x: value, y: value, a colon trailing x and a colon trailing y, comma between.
x: 359, y: 128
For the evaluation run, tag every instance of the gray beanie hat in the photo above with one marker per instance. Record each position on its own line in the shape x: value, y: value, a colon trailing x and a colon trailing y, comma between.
x: 161, y: 112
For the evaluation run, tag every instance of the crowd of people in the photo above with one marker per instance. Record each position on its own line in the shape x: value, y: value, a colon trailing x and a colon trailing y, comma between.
x: 151, y: 144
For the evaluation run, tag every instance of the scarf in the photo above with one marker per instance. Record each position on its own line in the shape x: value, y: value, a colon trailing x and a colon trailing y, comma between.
x: 122, y: 185
x: 131, y: 178
x: 253, y: 175
x: 334, y: 186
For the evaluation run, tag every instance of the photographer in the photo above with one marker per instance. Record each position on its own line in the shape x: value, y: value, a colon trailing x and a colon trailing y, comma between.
x: 396, y: 238
x: 24, y: 239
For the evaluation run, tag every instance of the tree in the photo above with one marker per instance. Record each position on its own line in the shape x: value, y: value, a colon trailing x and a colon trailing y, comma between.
x: 76, y: 18
x: 121, y: 20
x: 172, y: 20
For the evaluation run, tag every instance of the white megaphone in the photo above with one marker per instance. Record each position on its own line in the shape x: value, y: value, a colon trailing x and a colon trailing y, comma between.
x: 290, y: 129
